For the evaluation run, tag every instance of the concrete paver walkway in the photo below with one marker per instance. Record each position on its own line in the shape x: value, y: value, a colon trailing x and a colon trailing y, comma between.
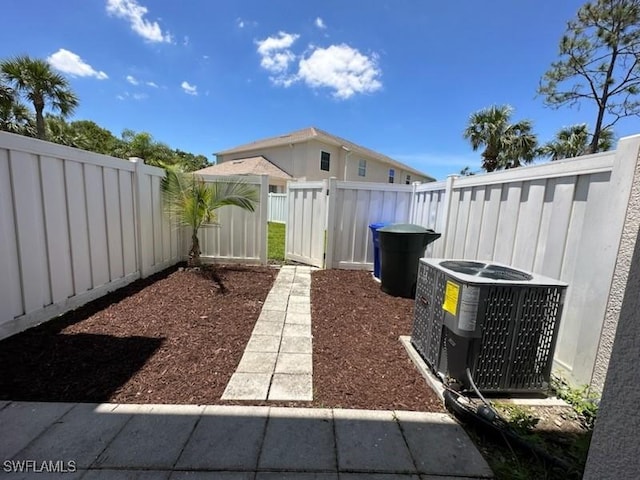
x: 277, y: 363
x: 116, y: 441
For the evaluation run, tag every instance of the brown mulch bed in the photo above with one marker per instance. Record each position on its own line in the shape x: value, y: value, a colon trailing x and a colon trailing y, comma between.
x: 178, y: 336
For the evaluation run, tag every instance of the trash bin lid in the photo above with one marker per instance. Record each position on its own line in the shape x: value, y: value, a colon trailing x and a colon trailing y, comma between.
x: 376, y: 226
x: 405, y: 228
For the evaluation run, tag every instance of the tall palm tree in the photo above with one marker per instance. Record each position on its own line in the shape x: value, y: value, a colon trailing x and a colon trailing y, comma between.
x: 506, y: 144
x: 36, y: 80
x: 193, y: 202
x: 574, y: 141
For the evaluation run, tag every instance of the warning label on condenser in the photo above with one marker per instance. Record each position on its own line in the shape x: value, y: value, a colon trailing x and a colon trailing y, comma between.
x: 469, y: 308
x: 451, y: 293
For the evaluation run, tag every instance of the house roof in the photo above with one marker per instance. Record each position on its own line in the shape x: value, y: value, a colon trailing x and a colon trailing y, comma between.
x: 313, y: 133
x: 246, y: 166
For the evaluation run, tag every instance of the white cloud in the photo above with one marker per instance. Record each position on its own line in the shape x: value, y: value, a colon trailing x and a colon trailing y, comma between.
x: 341, y: 68
x: 132, y: 80
x: 134, y: 13
x: 152, y: 84
x: 278, y: 42
x: 276, y: 57
x: 240, y: 23
x: 189, y: 89
x: 320, y: 23
x: 185, y: 41
x: 69, y: 62
x: 140, y: 96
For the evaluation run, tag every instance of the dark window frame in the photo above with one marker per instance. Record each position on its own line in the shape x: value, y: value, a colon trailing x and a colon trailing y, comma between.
x: 362, y: 168
x: 392, y: 175
x: 325, y: 161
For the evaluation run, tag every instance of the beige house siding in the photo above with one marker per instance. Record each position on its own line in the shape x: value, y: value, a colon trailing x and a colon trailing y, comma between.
x: 302, y: 162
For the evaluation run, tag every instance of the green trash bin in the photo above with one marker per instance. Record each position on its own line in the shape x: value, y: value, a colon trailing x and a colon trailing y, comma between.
x: 401, y: 247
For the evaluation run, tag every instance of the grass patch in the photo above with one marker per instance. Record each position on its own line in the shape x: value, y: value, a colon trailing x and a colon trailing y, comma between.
x: 276, y: 241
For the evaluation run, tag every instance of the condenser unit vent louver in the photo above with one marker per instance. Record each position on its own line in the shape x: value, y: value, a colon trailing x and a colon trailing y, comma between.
x: 499, y: 322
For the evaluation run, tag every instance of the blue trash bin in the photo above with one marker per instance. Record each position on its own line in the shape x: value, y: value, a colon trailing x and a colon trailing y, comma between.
x: 376, y: 246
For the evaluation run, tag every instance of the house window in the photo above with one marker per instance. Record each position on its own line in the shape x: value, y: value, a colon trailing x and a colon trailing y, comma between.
x: 392, y: 175
x: 408, y: 180
x: 362, y: 168
x: 273, y: 189
x: 325, y: 159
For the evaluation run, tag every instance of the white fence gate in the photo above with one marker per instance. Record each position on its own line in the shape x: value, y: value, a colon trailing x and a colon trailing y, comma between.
x: 307, y: 221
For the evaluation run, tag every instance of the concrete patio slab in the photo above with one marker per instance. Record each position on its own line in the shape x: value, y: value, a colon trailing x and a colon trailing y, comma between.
x: 226, y: 438
x: 380, y: 476
x: 272, y: 316
x: 369, y: 440
x: 294, y: 363
x: 296, y: 476
x: 298, y: 439
x: 62, y: 441
x: 296, y: 345
x: 3, y: 404
x: 437, y: 443
x: 257, y: 362
x: 263, y: 343
x: 149, y: 441
x: 247, y: 386
x: 267, y: 328
x: 296, y: 330
x: 286, y: 386
x: 22, y: 422
x: 127, y: 475
x: 298, y: 318
x: 212, y: 476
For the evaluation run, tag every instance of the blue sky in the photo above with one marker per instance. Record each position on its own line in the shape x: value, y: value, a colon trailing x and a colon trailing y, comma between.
x: 400, y: 77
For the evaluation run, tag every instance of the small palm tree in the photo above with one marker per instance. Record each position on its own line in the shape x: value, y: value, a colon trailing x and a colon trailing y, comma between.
x: 506, y: 145
x: 36, y: 79
x: 193, y: 202
x: 574, y: 141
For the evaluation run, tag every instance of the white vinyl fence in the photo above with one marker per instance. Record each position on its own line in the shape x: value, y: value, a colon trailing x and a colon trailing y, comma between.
x: 562, y: 219
x: 238, y: 235
x: 278, y: 210
x: 73, y: 226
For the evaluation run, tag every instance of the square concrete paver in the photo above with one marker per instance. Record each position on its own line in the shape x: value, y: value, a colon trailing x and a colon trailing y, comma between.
x: 81, y: 434
x: 267, y: 328
x: 296, y: 330
x: 257, y: 362
x: 299, y: 308
x: 226, y: 438
x: 294, y: 363
x: 263, y: 343
x: 212, y: 476
x: 17, y: 433
x: 299, y: 299
x: 285, y: 386
x: 276, y: 304
x: 247, y: 386
x: 151, y: 440
x: 438, y: 444
x: 369, y: 440
x: 271, y: 316
x: 296, y: 345
x: 298, y: 318
x: 298, y: 439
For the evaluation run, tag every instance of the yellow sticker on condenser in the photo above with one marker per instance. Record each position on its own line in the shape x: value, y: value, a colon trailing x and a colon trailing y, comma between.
x: 451, y: 298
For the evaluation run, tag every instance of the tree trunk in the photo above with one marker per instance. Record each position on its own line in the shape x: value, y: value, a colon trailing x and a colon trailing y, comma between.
x: 602, y: 105
x: 40, y: 130
x: 194, y: 253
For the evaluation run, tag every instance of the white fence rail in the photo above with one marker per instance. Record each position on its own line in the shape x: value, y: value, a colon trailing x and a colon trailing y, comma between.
x: 71, y: 228
x: 278, y: 211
